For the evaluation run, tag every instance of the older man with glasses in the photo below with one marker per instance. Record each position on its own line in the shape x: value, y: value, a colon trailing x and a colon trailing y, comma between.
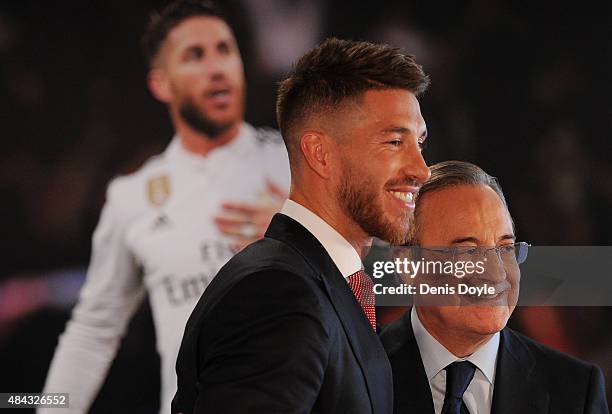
x: 452, y: 353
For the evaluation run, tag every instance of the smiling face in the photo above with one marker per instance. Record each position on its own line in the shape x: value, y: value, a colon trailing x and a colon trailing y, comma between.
x: 202, y: 76
x: 381, y: 166
x: 470, y: 215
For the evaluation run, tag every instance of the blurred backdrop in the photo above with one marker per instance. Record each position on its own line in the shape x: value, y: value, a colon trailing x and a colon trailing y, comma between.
x: 519, y: 88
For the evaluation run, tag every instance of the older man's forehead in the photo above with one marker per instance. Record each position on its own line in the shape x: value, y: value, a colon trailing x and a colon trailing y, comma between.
x: 463, y: 211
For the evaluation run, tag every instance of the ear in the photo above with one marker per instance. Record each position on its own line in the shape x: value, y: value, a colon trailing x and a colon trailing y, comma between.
x: 315, y: 146
x: 159, y: 85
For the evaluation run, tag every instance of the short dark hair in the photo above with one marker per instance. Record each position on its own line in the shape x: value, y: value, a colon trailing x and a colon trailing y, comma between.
x: 338, y: 70
x: 161, y: 23
x: 452, y: 174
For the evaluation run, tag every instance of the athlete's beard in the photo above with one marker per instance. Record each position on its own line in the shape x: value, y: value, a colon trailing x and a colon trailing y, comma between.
x: 361, y: 201
x: 198, y: 120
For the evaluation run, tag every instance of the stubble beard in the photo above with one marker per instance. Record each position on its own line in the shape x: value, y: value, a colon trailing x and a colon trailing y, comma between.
x: 201, y: 123
x: 360, y: 200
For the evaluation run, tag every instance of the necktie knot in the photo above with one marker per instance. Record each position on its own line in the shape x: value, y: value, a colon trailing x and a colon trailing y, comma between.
x: 458, y: 377
x: 362, y: 287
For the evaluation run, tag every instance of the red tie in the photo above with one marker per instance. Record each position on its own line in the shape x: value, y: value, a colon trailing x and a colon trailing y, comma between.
x: 362, y: 286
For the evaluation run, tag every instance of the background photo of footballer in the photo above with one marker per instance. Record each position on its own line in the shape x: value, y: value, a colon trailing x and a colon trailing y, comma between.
x: 520, y: 91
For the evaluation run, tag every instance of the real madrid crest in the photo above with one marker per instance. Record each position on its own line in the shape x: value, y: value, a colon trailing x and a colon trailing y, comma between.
x: 158, y: 190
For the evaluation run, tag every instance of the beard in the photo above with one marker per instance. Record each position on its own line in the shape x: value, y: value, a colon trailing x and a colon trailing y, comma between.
x: 361, y: 201
x: 198, y: 120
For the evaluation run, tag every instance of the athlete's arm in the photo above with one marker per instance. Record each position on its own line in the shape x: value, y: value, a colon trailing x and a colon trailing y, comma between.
x: 111, y: 293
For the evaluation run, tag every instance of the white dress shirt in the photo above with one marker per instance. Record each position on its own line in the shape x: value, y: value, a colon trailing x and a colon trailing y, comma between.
x: 342, y: 253
x: 479, y: 394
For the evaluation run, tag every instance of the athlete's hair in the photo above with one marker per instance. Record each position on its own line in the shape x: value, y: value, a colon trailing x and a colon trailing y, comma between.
x: 161, y: 23
x: 337, y: 71
x: 452, y: 174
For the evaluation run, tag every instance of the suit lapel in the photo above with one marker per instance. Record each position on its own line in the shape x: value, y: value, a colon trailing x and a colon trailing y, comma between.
x: 364, y: 341
x: 412, y: 393
x: 516, y: 390
x: 365, y: 344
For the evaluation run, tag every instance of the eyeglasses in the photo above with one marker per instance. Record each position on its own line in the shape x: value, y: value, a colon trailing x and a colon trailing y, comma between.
x: 507, y: 253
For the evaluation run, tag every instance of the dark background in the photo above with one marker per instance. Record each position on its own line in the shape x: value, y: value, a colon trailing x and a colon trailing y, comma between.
x: 521, y: 89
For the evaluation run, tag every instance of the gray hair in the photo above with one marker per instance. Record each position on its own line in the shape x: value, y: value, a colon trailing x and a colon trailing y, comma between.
x: 452, y: 174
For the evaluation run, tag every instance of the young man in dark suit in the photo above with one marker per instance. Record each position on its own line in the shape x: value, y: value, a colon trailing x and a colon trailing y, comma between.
x: 457, y: 355
x: 288, y: 325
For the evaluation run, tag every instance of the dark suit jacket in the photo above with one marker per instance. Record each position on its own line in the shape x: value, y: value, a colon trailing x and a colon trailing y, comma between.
x: 530, y: 378
x: 279, y: 331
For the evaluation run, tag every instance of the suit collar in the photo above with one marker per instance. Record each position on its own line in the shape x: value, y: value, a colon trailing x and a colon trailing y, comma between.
x: 412, y: 393
x: 516, y: 388
x: 365, y: 343
x: 337, y: 247
x: 292, y: 233
x: 436, y: 357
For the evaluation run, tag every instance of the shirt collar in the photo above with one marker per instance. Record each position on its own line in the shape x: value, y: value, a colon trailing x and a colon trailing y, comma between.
x: 436, y: 357
x: 240, y: 143
x: 342, y: 253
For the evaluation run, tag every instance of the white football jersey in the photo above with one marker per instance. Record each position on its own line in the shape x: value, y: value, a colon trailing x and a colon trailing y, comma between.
x: 156, y: 233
